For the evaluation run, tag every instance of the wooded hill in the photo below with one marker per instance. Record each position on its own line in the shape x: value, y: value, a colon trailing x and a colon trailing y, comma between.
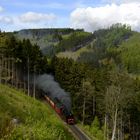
x: 103, y: 80
x: 52, y: 41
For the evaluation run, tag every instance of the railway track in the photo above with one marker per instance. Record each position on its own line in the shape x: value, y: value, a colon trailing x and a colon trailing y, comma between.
x: 79, y: 134
x: 74, y: 129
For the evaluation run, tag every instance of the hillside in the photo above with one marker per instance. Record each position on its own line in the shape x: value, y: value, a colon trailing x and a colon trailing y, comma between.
x: 130, y: 54
x: 73, y: 55
x: 102, y: 78
x: 47, y: 39
x: 42, y: 37
x: 22, y: 117
x: 96, y: 48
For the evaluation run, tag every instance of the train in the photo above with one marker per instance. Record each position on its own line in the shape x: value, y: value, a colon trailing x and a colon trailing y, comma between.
x: 61, y: 110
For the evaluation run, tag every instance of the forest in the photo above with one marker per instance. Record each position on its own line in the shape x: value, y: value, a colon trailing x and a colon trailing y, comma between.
x: 104, y: 83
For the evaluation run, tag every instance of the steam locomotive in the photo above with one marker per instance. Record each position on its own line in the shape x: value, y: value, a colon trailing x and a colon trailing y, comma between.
x: 61, y: 110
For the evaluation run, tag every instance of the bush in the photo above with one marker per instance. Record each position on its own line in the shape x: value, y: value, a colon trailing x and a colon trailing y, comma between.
x: 95, y: 129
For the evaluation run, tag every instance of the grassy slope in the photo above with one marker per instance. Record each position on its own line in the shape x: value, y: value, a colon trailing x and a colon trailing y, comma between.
x: 74, y: 55
x: 36, y: 120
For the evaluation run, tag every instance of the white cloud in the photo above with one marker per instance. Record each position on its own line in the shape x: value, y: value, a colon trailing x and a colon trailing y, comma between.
x: 120, y: 1
x: 6, y: 19
x: 31, y: 17
x: 129, y: 1
x: 30, y: 21
x: 1, y: 9
x: 101, y: 17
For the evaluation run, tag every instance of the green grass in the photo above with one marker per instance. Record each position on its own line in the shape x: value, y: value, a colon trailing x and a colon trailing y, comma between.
x: 66, y: 36
x: 73, y: 55
x: 36, y: 121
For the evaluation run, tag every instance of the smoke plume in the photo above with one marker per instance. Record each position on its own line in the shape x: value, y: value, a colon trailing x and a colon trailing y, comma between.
x: 53, y: 90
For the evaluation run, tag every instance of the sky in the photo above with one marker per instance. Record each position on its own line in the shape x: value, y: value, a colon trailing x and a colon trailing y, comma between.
x: 89, y: 15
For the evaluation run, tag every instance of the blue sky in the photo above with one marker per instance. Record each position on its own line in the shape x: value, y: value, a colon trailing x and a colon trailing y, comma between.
x: 20, y: 14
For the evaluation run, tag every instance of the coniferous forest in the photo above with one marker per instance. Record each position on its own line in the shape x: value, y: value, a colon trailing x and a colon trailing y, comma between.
x: 101, y: 73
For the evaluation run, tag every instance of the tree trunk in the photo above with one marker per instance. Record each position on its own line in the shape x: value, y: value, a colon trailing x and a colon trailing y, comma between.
x: 84, y: 105
x: 28, y: 78
x: 105, y: 128
x: 93, y: 105
x: 9, y: 69
x: 5, y: 69
x: 118, y: 134
x: 34, y: 88
x: 16, y: 77
x: 115, y: 123
x: 0, y: 69
x: 13, y: 73
x: 121, y: 128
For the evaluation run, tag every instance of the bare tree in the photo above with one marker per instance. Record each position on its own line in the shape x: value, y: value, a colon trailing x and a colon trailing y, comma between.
x: 34, y: 84
x: 112, y: 99
x: 0, y: 69
x: 28, y: 76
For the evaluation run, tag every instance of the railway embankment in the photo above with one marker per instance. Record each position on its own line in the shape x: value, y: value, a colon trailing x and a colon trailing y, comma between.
x: 27, y: 118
